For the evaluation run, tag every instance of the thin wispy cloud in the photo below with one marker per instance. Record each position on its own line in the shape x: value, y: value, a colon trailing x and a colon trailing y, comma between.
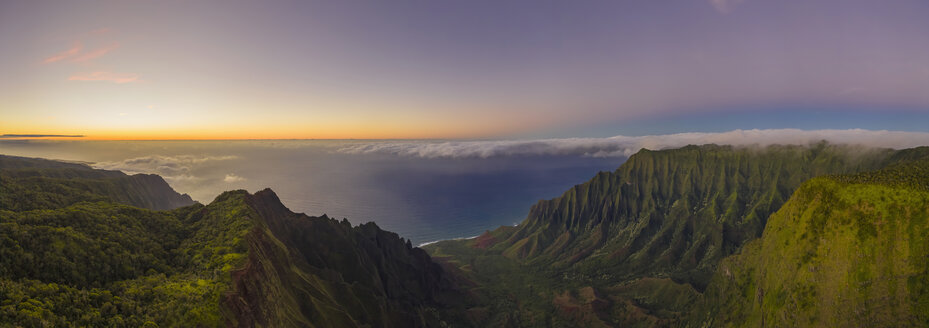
x: 725, y: 6
x: 94, y: 54
x: 620, y: 146
x: 118, y: 78
x: 76, y: 53
x: 70, y: 53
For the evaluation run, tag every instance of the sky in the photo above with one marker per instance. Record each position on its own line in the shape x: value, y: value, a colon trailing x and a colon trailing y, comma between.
x: 199, y: 69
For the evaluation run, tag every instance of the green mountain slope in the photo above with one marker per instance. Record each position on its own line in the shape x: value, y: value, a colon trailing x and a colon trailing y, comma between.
x: 843, y: 251
x: 319, y: 272
x: 78, y: 258
x: 660, y: 223
x: 674, y: 212
x: 31, y: 183
x: 709, y: 235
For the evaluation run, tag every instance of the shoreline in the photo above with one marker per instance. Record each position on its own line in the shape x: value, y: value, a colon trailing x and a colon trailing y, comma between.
x: 440, y: 240
x: 459, y: 238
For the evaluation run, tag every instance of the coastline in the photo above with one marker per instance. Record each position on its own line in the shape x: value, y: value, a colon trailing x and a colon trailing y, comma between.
x: 436, y: 241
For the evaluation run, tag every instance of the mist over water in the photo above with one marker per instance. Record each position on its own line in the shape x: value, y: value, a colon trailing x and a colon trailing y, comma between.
x: 420, y: 198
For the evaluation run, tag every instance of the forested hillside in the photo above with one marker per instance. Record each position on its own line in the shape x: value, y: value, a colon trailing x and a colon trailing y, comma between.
x: 74, y: 256
x: 824, y: 235
x: 643, y: 242
x: 32, y: 183
x: 844, y: 251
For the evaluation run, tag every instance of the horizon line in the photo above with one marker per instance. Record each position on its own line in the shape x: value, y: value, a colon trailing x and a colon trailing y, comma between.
x: 81, y: 137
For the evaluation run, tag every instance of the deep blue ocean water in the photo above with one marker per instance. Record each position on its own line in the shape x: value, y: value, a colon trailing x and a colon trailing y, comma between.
x: 421, y: 198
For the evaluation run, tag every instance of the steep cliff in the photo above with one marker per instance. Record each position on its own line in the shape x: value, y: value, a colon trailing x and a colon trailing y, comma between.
x: 675, y: 212
x: 319, y: 272
x: 647, y: 237
x: 844, y: 251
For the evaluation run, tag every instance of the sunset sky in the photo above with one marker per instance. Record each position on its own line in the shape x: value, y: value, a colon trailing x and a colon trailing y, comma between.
x: 193, y: 69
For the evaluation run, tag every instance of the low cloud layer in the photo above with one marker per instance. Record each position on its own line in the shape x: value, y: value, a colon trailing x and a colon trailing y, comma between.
x: 172, y: 168
x: 619, y: 146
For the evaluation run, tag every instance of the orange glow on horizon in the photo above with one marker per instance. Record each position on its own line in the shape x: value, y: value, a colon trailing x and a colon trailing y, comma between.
x: 254, y: 136
x: 358, y: 131
x: 271, y: 127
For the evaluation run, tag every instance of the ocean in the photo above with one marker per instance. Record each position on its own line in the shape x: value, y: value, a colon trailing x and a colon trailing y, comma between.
x: 422, y: 190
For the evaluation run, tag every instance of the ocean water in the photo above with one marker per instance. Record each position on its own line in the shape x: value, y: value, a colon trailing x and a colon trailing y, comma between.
x: 422, y: 196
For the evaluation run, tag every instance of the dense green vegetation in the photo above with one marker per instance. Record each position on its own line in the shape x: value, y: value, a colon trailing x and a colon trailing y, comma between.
x: 659, y: 223
x: 844, y: 251
x: 105, y: 264
x: 72, y: 255
x: 31, y: 183
x: 709, y: 235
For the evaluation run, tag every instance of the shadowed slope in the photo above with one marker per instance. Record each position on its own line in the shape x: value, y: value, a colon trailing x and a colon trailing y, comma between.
x: 316, y: 271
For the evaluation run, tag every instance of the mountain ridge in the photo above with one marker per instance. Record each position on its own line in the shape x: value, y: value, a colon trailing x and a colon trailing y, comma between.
x: 31, y: 183
x: 391, y: 283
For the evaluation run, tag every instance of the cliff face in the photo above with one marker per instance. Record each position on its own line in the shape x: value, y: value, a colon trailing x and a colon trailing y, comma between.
x: 147, y: 191
x: 647, y: 237
x: 675, y: 212
x: 319, y: 272
x: 29, y: 183
x: 843, y: 251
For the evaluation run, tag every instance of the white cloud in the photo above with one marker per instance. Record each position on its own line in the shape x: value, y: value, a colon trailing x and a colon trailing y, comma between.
x: 625, y: 146
x: 233, y: 178
x: 182, y: 178
x: 172, y: 168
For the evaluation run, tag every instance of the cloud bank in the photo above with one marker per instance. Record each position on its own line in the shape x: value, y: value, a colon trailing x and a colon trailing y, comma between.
x: 172, y: 168
x: 620, y: 146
